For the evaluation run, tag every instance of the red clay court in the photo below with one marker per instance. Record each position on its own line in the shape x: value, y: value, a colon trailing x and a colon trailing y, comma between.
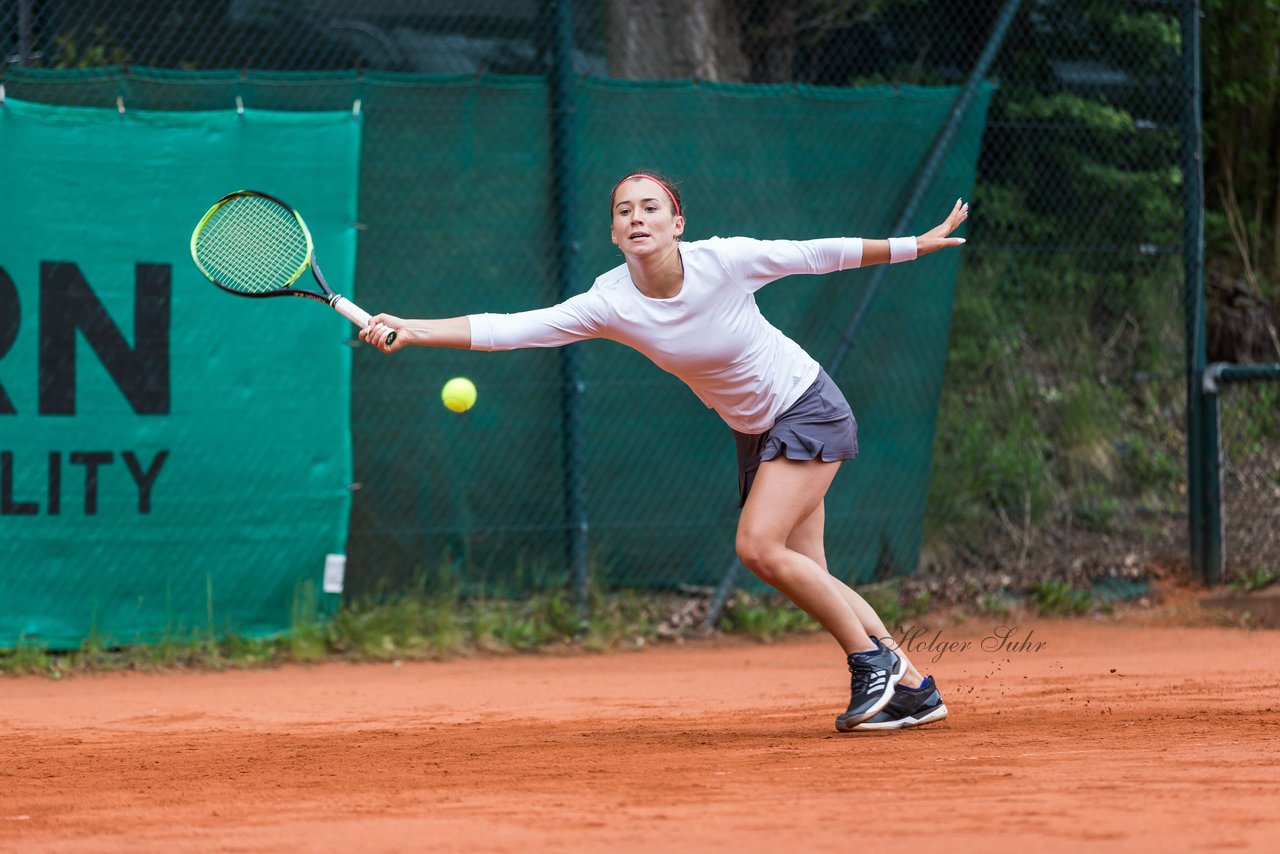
x: 1115, y: 737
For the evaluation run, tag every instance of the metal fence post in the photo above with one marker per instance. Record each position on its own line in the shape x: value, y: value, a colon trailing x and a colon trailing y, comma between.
x: 1213, y: 559
x: 1201, y: 460
x: 564, y: 192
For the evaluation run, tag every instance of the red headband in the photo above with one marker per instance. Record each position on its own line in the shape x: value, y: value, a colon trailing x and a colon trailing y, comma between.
x: 661, y: 184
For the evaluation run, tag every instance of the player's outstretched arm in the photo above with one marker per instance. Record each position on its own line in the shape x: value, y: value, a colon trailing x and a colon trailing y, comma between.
x: 450, y: 332
x: 880, y: 251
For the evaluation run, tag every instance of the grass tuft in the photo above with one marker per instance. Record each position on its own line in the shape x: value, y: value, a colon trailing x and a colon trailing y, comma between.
x: 418, y: 625
x: 766, y: 618
x: 1059, y: 599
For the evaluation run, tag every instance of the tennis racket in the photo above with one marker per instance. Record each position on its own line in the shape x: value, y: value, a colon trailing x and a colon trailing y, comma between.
x: 254, y: 245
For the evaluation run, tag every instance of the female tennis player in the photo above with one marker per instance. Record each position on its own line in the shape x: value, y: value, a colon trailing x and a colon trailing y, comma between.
x: 690, y: 307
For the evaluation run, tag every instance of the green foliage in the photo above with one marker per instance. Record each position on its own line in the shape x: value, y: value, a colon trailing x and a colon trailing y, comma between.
x: 1151, y: 468
x: 242, y: 652
x: 991, y: 458
x: 1056, y: 598
x: 94, y: 49
x: 1241, y: 71
x: 1255, y: 579
x: 1067, y: 296
x: 766, y: 618
x: 1085, y: 419
x: 27, y: 657
x: 542, y: 619
x: 408, y: 626
x: 920, y: 604
x: 1071, y: 109
x: 1041, y: 419
x: 997, y: 604
x: 1148, y: 38
x: 623, y: 617
x: 307, y: 634
x: 416, y: 626
x: 1094, y: 506
x: 1251, y: 416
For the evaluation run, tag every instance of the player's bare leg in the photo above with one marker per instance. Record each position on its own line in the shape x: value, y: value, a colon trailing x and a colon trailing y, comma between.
x: 785, y: 493
x: 808, y: 539
x: 916, y: 700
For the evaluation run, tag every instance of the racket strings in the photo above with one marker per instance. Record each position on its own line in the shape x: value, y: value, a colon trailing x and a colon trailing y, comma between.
x: 253, y: 245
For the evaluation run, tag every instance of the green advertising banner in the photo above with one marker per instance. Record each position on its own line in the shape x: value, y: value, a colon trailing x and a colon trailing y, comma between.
x: 174, y: 460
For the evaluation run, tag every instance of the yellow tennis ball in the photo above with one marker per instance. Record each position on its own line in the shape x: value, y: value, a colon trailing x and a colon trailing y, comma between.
x: 459, y: 394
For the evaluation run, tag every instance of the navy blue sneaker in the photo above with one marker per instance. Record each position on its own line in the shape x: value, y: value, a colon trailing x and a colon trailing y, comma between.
x: 909, y: 707
x: 875, y: 674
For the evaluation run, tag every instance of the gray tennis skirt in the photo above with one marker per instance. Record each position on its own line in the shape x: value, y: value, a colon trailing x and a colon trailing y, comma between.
x: 820, y: 425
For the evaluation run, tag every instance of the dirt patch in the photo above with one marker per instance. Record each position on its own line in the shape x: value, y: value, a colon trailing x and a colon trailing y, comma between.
x: 1062, y: 733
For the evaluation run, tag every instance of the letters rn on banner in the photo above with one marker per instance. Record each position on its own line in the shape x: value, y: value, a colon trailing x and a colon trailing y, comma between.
x: 173, y: 459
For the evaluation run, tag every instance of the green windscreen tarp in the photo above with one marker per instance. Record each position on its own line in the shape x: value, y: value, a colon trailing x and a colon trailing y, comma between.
x: 173, y: 459
x: 461, y: 220
x: 458, y: 216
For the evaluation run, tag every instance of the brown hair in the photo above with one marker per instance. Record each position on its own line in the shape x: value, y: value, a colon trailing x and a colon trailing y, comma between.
x: 677, y: 205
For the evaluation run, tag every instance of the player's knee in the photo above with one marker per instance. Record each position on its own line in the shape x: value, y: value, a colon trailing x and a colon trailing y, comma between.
x: 758, y: 554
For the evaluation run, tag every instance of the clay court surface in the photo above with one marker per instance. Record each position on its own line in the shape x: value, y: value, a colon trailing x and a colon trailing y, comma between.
x: 1108, y: 736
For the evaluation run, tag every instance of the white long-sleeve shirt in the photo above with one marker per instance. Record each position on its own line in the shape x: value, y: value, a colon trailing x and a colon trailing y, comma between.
x: 711, y: 335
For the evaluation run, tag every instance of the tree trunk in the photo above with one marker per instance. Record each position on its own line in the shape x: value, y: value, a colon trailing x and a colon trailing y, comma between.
x: 675, y: 39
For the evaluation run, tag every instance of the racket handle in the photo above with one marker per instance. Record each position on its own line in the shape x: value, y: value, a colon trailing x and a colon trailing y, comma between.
x: 357, y: 315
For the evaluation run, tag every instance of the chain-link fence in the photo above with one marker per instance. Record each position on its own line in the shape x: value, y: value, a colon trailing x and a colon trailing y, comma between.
x: 1251, y: 483
x: 1058, y: 433
x: 1247, y: 412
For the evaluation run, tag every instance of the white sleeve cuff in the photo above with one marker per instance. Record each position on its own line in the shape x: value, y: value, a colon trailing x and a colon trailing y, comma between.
x: 850, y: 253
x: 481, y: 332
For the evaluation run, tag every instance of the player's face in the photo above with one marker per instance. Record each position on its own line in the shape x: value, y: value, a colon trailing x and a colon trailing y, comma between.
x: 644, y: 221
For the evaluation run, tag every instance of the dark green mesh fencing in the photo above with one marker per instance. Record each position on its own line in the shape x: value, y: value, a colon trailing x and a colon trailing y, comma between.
x: 1059, y: 425
x: 1249, y: 414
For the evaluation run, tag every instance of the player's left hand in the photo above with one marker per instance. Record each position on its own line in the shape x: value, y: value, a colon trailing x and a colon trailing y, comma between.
x: 937, y: 238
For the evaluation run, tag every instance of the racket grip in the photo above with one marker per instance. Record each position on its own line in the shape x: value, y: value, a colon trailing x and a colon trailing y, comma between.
x: 357, y: 315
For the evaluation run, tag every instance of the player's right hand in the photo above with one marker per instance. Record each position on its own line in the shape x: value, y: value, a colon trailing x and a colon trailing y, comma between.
x: 382, y: 325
